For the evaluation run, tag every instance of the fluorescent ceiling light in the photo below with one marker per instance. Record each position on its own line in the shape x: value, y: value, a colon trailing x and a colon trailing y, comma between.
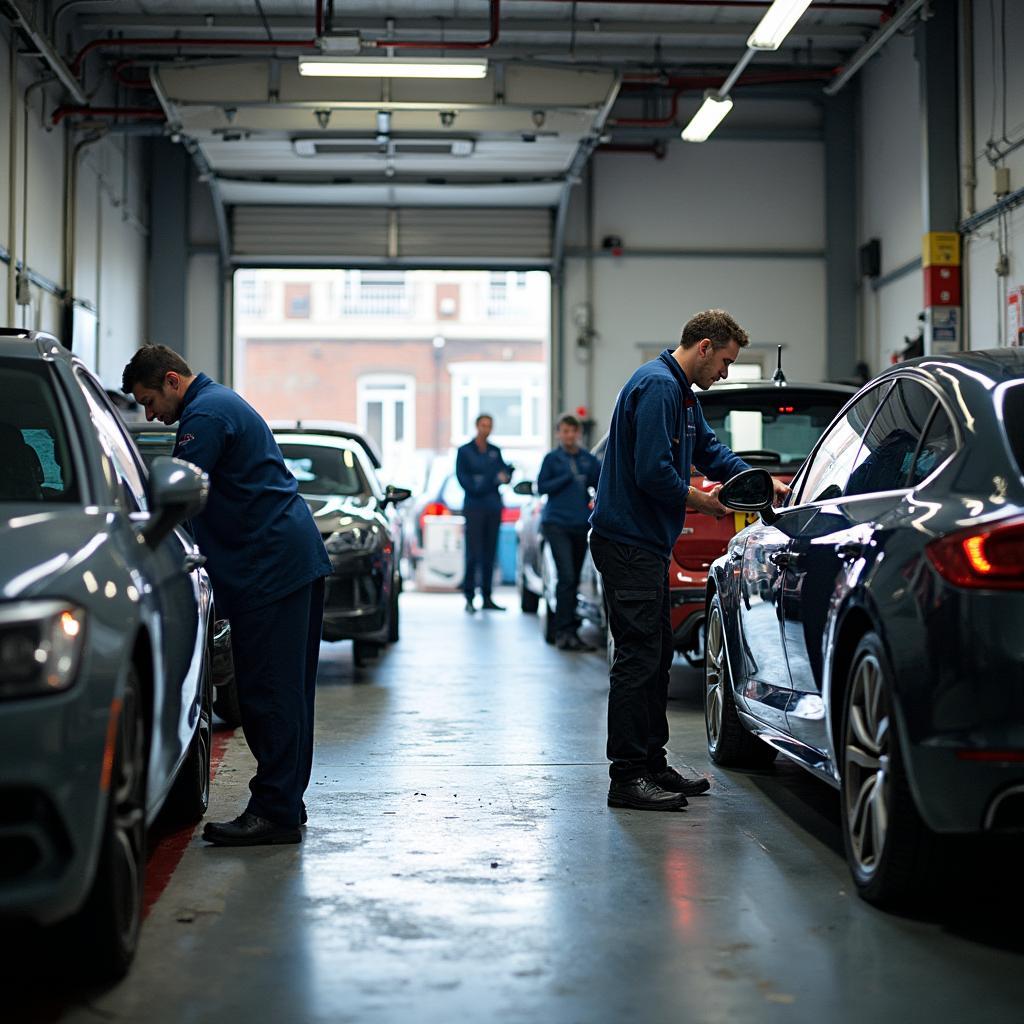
x: 777, y: 23
x: 391, y: 67
x: 708, y: 118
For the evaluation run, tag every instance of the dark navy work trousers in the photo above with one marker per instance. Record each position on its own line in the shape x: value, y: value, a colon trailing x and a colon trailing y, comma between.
x: 276, y: 650
x: 482, y: 525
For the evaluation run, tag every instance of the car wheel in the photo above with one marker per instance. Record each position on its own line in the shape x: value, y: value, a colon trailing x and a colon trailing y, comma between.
x: 190, y: 795
x: 364, y: 651
x: 393, y: 614
x: 890, y: 850
x: 225, y: 704
x: 105, y: 932
x: 729, y: 743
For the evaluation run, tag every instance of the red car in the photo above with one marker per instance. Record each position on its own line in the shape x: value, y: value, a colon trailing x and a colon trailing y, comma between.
x: 772, y: 426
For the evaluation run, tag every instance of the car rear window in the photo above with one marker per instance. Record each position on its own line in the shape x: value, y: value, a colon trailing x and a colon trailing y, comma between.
x: 35, y: 461
x: 784, y: 426
x: 1013, y: 423
x: 324, y: 471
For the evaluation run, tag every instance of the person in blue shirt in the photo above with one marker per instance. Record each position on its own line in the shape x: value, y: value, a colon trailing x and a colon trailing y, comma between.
x: 267, y: 563
x: 481, y: 470
x: 566, y: 476
x: 657, y: 433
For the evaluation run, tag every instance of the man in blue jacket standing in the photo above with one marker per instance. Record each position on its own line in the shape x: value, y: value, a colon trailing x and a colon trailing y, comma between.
x: 657, y: 433
x: 566, y: 474
x: 481, y: 469
x: 267, y: 562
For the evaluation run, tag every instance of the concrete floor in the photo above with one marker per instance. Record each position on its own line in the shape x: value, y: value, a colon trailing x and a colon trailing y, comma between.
x: 461, y: 864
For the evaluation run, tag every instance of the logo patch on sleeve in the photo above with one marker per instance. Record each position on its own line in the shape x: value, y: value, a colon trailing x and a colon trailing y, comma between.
x: 184, y: 439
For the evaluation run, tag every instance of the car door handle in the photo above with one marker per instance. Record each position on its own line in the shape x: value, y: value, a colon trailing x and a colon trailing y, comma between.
x: 193, y: 561
x: 783, y: 559
x: 851, y: 549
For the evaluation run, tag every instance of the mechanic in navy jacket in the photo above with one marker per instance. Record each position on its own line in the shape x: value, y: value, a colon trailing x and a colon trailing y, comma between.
x: 657, y: 433
x: 566, y: 476
x: 481, y: 469
x: 267, y: 563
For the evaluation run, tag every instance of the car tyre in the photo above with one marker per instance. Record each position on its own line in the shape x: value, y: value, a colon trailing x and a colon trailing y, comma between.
x: 104, y: 934
x: 729, y: 743
x: 529, y: 602
x: 364, y: 651
x: 394, y: 618
x: 892, y: 854
x: 190, y: 795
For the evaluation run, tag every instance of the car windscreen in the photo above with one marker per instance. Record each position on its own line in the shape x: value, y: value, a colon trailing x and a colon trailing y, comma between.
x: 325, y: 471
x: 35, y: 460
x: 1013, y: 423
x: 784, y: 426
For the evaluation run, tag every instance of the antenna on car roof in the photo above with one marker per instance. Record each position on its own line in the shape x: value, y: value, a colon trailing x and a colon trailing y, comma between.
x: 778, y: 377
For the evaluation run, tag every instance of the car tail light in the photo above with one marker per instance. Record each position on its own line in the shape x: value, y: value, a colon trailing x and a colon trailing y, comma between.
x: 433, y: 508
x: 510, y: 515
x: 987, y: 559
x: 991, y: 756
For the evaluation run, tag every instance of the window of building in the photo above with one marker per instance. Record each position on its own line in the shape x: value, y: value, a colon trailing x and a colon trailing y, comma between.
x: 297, y: 301
x: 512, y: 393
x: 506, y: 294
x: 253, y: 296
x: 375, y: 293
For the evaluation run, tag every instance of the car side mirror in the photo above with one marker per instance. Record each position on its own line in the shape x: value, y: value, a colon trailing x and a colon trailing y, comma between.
x: 523, y: 487
x: 396, y: 495
x: 750, y: 491
x: 177, y: 491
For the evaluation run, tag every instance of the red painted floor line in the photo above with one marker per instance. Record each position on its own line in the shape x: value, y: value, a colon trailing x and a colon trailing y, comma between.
x: 166, y: 854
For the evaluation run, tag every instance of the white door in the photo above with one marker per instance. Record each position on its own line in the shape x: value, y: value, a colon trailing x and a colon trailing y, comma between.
x: 387, y: 412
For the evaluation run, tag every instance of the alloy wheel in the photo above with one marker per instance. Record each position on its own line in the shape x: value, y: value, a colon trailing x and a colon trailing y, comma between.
x: 714, y: 676
x: 129, y: 796
x: 866, y: 780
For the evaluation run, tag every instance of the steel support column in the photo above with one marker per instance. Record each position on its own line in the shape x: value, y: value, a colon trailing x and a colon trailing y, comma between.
x: 840, y: 235
x: 168, y: 245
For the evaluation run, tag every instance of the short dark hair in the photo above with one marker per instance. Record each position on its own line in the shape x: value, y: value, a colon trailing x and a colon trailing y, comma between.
x: 716, y: 325
x: 571, y: 419
x: 484, y: 416
x: 150, y: 365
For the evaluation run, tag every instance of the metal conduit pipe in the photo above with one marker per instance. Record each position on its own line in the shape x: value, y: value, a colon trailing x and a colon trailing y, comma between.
x: 433, y: 44
x: 138, y: 113
x: 12, y: 179
x: 762, y: 5
x: 71, y: 204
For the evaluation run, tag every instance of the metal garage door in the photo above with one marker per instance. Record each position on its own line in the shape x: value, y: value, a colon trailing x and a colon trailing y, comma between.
x: 352, y: 234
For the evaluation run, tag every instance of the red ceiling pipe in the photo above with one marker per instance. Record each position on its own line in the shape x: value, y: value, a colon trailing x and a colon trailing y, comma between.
x: 655, y: 149
x: 130, y: 83
x: 134, y: 113
x: 435, y: 44
x: 210, y: 44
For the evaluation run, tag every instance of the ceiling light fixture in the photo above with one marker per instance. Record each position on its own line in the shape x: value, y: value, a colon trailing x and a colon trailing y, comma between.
x: 777, y: 23
x: 391, y: 67
x: 708, y: 118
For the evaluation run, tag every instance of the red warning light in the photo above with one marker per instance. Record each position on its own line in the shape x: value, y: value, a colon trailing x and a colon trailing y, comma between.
x: 581, y: 411
x: 787, y: 408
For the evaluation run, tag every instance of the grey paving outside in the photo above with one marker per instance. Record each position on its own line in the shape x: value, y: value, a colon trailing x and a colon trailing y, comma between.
x: 460, y: 863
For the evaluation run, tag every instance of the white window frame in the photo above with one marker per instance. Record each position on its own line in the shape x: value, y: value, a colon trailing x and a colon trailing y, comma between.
x: 387, y: 387
x: 469, y: 379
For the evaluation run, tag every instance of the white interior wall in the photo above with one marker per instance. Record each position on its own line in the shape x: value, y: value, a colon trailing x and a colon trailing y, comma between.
x: 110, y: 249
x: 889, y: 142
x: 987, y: 290
x: 727, y: 196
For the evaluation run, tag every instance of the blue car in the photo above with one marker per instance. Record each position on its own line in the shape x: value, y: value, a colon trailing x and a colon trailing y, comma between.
x: 871, y: 629
x: 105, y: 667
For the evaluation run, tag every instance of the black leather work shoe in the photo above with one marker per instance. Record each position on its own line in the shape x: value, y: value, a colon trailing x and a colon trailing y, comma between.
x: 250, y: 829
x: 675, y: 782
x: 643, y: 795
x: 492, y: 606
x: 470, y: 607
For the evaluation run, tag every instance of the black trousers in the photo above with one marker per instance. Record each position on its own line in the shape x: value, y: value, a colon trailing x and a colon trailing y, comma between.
x: 568, y: 548
x: 637, y: 600
x: 276, y: 651
x: 482, y: 525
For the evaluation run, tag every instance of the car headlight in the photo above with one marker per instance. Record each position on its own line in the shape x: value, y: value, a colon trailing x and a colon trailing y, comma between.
x: 357, y: 540
x: 40, y: 647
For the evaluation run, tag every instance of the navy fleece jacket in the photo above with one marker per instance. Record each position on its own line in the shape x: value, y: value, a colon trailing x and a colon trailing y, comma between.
x: 657, y: 433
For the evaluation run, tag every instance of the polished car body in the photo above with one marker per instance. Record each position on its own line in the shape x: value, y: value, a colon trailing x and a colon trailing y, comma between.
x: 104, y: 638
x: 156, y: 440
x: 770, y: 424
x: 870, y: 630
x: 361, y: 529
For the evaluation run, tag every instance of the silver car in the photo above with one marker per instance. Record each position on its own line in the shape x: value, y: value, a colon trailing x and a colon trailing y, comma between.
x: 105, y: 680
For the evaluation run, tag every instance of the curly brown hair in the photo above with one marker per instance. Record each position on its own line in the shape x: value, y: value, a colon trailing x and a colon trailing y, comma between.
x: 716, y: 325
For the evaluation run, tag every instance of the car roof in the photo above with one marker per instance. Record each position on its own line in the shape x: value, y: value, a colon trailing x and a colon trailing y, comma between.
x: 770, y: 387
x: 997, y: 364
x: 331, y: 428
x: 22, y: 344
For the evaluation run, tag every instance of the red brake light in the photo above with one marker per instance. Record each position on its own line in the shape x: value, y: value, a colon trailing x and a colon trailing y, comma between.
x: 986, y: 559
x: 510, y: 514
x: 433, y: 508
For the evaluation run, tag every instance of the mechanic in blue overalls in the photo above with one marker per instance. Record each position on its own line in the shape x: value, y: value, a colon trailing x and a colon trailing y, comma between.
x: 566, y: 476
x: 481, y: 470
x: 267, y: 562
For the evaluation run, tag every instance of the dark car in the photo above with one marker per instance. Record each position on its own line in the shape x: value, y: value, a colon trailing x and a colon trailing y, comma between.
x: 105, y: 674
x: 870, y: 630
x: 155, y: 440
x: 361, y: 530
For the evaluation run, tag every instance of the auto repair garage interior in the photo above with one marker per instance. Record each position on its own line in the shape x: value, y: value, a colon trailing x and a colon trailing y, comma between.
x: 253, y: 183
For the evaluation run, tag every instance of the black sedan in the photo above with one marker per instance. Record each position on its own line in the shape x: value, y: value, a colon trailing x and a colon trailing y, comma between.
x: 361, y: 530
x: 870, y: 630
